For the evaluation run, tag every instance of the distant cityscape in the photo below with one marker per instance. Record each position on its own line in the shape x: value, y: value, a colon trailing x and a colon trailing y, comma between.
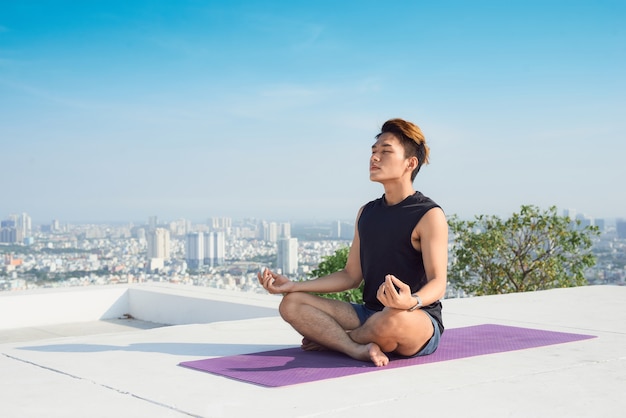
x: 220, y: 253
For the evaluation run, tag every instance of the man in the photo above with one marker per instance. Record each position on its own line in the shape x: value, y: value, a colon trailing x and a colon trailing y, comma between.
x: 400, y: 250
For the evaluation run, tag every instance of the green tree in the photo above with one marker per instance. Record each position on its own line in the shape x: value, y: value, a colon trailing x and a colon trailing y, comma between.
x: 532, y: 250
x: 331, y: 264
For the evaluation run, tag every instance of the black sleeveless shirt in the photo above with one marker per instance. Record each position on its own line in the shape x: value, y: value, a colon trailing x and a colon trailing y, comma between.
x: 386, y: 248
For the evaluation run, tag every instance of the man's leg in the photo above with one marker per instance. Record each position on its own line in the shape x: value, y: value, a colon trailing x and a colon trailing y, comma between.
x: 326, y: 322
x: 394, y: 330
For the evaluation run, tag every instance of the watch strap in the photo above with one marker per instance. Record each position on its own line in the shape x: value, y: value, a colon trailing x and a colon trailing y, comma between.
x: 417, y: 305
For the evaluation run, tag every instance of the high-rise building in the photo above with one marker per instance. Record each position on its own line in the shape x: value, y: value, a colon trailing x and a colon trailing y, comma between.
x: 194, y: 249
x: 582, y: 221
x: 214, y: 248
x: 599, y: 222
x: 220, y: 248
x: 10, y: 232
x: 180, y: 227
x: 287, y: 255
x: 24, y: 225
x: 336, y: 230
x: 7, y: 223
x: 209, y: 248
x: 620, y: 225
x: 284, y: 230
x: 158, y: 243
x: 571, y: 213
x: 222, y: 223
x: 347, y: 231
x: 269, y: 231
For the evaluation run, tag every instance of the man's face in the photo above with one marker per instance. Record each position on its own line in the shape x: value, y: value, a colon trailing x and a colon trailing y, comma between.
x: 387, y: 161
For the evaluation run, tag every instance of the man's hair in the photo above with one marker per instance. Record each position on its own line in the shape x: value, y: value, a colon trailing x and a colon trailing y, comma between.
x: 412, y: 140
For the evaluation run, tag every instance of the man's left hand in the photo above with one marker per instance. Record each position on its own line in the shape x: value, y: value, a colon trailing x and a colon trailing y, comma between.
x: 392, y: 298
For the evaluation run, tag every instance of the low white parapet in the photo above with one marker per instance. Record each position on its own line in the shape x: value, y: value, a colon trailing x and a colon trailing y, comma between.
x: 163, y: 304
x: 32, y: 308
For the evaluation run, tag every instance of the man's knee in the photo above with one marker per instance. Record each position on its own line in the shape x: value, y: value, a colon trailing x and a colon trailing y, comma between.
x: 289, y: 305
x: 379, y: 324
x: 385, y: 324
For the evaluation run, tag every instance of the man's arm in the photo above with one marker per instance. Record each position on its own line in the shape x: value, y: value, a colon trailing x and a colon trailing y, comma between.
x: 432, y: 231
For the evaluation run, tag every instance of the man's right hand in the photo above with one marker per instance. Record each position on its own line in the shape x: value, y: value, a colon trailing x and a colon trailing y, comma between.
x: 275, y: 283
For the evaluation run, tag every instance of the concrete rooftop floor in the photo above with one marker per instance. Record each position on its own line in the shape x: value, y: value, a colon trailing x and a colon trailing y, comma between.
x: 129, y: 368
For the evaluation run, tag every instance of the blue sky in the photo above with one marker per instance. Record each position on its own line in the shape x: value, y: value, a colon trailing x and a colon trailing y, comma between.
x: 118, y: 110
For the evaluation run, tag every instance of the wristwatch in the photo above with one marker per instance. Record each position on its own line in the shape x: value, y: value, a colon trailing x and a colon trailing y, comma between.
x: 417, y: 305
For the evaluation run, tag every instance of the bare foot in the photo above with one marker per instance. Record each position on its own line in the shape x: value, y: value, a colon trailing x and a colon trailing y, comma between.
x: 371, y: 352
x: 377, y: 356
x: 308, y: 345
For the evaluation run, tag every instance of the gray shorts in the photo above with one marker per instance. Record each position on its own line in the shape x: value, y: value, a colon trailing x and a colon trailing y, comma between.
x: 364, y: 313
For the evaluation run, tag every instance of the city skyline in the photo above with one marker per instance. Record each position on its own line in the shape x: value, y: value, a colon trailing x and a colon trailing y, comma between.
x: 165, y: 222
x: 116, y: 111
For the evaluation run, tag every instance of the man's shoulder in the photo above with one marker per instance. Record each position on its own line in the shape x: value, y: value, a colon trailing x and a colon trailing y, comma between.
x: 421, y: 203
x: 422, y: 198
x: 374, y: 202
x: 432, y: 219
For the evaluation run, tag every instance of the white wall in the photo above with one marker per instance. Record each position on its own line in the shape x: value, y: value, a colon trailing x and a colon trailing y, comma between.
x: 31, y: 309
x: 170, y: 305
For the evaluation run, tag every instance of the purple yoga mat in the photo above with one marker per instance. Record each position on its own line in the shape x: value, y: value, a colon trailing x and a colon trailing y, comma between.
x: 293, y: 365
